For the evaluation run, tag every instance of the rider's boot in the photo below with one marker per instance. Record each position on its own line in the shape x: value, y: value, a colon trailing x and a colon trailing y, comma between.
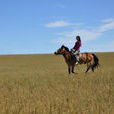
x: 77, y: 63
x: 78, y: 58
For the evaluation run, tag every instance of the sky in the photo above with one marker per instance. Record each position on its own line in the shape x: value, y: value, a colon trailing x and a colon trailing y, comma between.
x: 42, y: 26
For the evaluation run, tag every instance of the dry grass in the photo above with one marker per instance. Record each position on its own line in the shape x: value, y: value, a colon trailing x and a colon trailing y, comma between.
x: 39, y: 84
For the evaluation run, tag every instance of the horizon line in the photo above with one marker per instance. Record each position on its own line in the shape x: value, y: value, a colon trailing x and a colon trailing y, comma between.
x: 52, y: 53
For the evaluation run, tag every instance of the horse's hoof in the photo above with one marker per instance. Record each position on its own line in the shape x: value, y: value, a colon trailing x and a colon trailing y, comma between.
x: 75, y: 73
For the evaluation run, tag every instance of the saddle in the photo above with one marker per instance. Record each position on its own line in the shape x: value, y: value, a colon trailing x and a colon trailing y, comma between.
x: 75, y: 57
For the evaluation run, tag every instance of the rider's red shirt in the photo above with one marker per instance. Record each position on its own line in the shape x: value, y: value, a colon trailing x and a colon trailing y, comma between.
x: 77, y: 45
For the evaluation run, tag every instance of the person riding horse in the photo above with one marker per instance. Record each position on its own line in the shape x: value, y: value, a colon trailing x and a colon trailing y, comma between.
x: 76, y: 49
x: 86, y: 58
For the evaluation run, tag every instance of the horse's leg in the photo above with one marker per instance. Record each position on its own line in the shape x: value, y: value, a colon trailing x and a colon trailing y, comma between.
x: 88, y: 67
x: 73, y: 69
x: 69, y: 69
x: 92, y: 69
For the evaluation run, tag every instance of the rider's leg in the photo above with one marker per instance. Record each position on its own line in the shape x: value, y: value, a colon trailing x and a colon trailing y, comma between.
x: 77, y: 56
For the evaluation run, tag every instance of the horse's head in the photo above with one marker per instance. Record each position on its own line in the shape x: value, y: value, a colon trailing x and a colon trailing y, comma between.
x: 61, y: 50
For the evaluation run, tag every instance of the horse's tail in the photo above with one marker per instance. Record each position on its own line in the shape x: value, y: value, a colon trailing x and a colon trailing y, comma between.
x: 96, y: 62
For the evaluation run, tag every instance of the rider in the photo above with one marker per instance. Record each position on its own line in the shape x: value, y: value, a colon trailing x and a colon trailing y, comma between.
x: 76, y: 48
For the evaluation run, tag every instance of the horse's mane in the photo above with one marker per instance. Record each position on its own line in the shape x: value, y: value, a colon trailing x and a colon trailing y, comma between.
x: 66, y: 48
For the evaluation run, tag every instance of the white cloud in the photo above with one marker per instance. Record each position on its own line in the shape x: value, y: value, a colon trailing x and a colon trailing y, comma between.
x: 61, y: 6
x: 86, y: 34
x: 65, y: 41
x: 107, y: 20
x: 57, y: 24
x: 108, y: 26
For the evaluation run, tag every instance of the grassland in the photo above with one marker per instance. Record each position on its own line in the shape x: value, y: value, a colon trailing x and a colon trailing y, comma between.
x: 40, y: 84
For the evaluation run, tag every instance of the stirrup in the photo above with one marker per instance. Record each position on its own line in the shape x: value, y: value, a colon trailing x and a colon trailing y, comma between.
x: 77, y: 63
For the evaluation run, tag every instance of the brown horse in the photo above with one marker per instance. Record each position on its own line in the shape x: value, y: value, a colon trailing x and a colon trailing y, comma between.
x: 85, y: 58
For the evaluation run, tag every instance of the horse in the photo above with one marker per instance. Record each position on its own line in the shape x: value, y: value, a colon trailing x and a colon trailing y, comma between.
x: 85, y: 58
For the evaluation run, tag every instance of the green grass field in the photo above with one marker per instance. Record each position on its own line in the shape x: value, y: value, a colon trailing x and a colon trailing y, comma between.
x: 40, y: 84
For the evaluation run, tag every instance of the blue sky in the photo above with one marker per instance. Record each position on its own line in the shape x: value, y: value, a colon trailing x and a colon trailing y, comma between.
x: 42, y: 26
